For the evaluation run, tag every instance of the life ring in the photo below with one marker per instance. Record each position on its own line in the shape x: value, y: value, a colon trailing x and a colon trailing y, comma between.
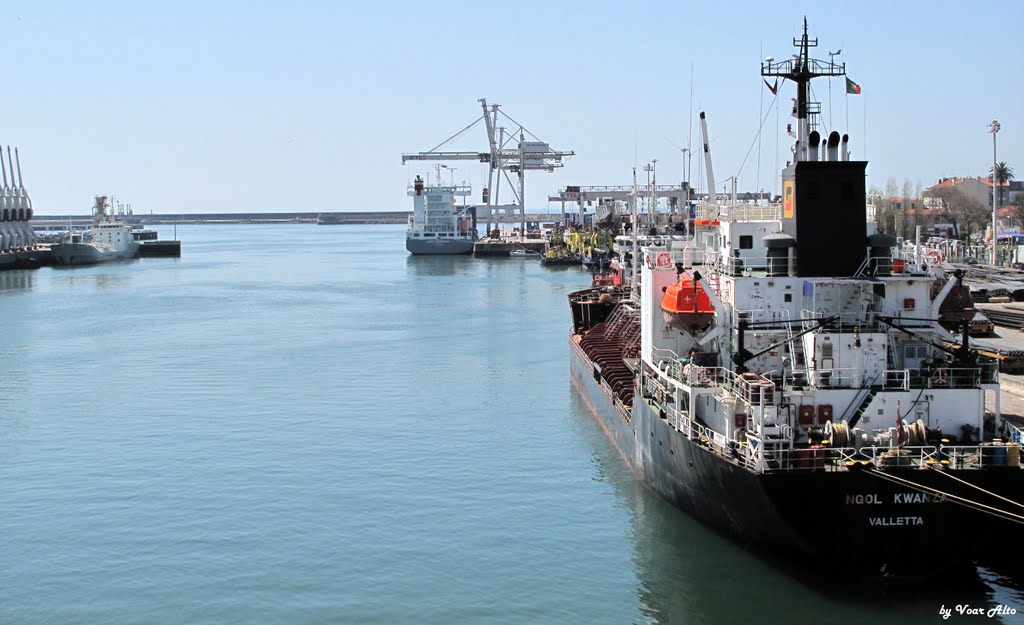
x: 939, y: 377
x: 664, y: 259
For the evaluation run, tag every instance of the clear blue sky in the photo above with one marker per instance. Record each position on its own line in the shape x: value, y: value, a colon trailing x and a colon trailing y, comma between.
x: 275, y: 106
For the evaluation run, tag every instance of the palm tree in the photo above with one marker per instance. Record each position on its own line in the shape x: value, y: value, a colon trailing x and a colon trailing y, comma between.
x: 1003, y: 174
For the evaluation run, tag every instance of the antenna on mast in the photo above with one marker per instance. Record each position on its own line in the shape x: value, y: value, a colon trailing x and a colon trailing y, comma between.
x: 801, y: 68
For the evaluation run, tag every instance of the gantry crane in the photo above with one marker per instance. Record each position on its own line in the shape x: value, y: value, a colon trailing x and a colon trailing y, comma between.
x: 505, y: 155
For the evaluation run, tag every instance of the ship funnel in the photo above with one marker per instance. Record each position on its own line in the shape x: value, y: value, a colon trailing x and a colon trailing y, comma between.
x: 812, y: 149
x: 833, y: 146
x: 844, y: 148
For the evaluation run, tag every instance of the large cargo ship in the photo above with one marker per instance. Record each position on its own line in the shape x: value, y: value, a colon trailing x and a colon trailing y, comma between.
x: 782, y: 375
x: 437, y: 225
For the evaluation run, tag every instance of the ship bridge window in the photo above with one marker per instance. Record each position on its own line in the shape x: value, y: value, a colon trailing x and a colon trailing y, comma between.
x: 746, y: 242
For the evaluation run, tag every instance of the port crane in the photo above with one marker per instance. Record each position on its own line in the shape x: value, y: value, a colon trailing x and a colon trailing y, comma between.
x: 509, y: 152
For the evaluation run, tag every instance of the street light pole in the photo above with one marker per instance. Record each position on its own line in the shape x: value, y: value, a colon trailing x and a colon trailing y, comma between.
x: 994, y: 128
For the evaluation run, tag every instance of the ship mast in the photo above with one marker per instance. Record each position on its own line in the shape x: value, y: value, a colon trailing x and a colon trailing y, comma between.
x: 801, y: 69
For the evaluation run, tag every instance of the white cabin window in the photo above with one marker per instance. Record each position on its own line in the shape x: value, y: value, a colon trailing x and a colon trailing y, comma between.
x: 914, y: 355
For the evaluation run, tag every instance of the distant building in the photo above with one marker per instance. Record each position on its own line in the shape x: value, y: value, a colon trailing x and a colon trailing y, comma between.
x: 923, y: 212
x: 977, y: 189
x: 1014, y: 192
x: 1007, y: 220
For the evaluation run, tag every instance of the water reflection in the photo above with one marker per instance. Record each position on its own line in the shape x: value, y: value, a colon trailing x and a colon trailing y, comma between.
x: 100, y: 280
x: 689, y: 573
x: 18, y: 280
x: 438, y: 265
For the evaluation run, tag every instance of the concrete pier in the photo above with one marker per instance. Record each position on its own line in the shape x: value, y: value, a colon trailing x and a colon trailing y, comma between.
x: 41, y: 256
x: 505, y: 245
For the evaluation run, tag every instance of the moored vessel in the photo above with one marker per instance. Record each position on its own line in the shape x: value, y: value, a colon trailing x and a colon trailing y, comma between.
x: 437, y: 225
x: 109, y: 238
x: 784, y: 377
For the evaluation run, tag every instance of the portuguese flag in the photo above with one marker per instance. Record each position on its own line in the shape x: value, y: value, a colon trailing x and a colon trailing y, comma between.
x: 852, y: 87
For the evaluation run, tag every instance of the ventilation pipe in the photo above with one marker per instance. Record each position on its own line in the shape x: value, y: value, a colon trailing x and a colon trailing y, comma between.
x: 812, y: 150
x: 844, y: 148
x: 833, y: 146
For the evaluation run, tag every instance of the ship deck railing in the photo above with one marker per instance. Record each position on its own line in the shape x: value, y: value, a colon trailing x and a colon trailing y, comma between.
x: 685, y: 425
x: 746, y: 266
x: 937, y: 378
x: 898, y: 263
x: 756, y: 390
x: 739, y: 212
x: 865, y: 320
x: 765, y: 316
x: 921, y: 457
x: 781, y: 456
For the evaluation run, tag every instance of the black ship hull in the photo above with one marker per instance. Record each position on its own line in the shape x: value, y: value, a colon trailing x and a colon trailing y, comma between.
x: 866, y: 525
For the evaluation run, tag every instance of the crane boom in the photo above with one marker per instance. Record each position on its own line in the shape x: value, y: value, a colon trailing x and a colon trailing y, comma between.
x: 482, y: 157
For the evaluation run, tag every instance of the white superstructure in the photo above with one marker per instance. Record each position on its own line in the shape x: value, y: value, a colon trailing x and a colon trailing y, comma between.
x: 438, y: 225
x: 110, y: 238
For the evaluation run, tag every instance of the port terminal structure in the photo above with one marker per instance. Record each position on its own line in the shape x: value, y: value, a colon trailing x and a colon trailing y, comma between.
x: 509, y: 153
x: 676, y: 196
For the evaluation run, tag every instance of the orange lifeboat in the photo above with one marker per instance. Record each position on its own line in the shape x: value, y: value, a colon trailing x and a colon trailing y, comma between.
x: 687, y: 306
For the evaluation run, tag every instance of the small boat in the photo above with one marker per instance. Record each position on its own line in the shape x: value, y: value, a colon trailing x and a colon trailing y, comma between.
x: 523, y: 253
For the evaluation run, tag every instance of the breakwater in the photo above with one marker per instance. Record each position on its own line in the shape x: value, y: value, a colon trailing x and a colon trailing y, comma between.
x: 376, y: 217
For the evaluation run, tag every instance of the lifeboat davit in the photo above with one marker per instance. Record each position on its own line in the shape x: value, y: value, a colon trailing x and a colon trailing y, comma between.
x: 687, y: 306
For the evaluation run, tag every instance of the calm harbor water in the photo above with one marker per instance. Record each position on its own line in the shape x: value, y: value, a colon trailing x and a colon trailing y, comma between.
x: 302, y: 424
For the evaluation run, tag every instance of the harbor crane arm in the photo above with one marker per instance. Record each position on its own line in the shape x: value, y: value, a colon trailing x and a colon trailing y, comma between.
x: 490, y: 119
x: 482, y: 157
